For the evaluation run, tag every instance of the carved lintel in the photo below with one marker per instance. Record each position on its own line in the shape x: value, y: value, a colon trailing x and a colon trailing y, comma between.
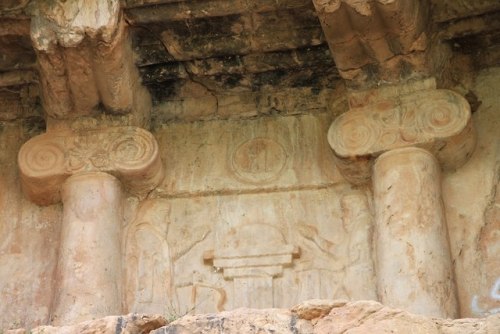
x: 377, y: 40
x: 131, y: 154
x: 86, y: 60
x: 437, y: 120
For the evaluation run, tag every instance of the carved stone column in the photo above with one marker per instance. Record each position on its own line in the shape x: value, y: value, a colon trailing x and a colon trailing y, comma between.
x: 87, y: 171
x: 414, y: 269
x: 89, y: 270
x: 399, y: 143
x: 86, y: 60
x: 375, y: 41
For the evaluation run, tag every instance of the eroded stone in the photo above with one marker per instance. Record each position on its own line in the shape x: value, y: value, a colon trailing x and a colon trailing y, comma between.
x: 240, y: 321
x: 437, y: 120
x: 86, y: 59
x: 414, y: 269
x: 352, y: 317
x: 131, y: 154
x: 372, y: 317
x: 393, y: 38
x: 325, y: 222
x: 130, y: 324
x: 243, y: 156
x: 88, y: 271
x: 316, y: 308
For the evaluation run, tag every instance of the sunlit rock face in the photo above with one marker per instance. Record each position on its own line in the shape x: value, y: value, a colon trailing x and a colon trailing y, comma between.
x: 196, y: 157
x: 315, y: 316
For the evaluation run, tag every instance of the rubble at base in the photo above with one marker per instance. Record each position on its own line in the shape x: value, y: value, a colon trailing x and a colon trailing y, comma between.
x: 310, y: 317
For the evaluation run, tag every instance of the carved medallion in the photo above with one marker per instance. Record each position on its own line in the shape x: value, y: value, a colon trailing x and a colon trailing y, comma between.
x: 259, y: 160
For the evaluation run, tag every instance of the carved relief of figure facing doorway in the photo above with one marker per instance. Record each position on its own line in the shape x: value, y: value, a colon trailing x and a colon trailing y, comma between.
x: 258, y: 250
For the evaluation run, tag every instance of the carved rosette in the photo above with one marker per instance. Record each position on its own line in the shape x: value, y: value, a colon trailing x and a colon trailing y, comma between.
x: 131, y: 154
x: 437, y: 120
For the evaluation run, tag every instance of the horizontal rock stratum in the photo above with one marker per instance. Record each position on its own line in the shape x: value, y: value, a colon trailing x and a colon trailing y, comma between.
x: 313, y: 316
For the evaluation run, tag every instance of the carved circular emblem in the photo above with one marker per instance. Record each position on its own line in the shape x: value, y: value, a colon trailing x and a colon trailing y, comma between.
x: 259, y: 160
x: 353, y: 134
x: 442, y: 116
x: 44, y: 157
x: 133, y: 149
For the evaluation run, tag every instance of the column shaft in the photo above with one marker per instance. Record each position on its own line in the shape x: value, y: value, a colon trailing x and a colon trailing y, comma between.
x: 414, y: 270
x: 89, y: 268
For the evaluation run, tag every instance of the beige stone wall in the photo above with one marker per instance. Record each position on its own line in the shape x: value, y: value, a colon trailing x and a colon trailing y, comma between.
x: 264, y: 198
x: 471, y: 201
x: 252, y: 213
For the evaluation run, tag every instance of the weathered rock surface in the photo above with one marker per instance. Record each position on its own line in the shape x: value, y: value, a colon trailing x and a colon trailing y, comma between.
x: 127, y: 324
x: 373, y: 317
x: 327, y: 316
x: 254, y: 212
x: 375, y: 40
x: 239, y: 321
x: 469, y: 198
x: 213, y: 189
x: 85, y: 60
x: 309, y: 317
x: 316, y: 308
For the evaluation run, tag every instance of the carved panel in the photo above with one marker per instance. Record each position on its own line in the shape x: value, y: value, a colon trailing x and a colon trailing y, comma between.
x: 253, y: 242
x: 252, y: 262
x: 129, y: 153
x: 438, y: 120
x: 238, y: 156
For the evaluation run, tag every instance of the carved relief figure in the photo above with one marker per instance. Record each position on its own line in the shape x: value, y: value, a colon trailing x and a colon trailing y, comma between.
x: 162, y: 275
x: 149, y: 269
x: 337, y: 258
x: 210, y: 254
x: 357, y: 221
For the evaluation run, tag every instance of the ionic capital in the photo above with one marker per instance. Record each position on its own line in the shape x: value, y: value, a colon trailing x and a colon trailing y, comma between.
x: 436, y: 120
x: 129, y: 153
